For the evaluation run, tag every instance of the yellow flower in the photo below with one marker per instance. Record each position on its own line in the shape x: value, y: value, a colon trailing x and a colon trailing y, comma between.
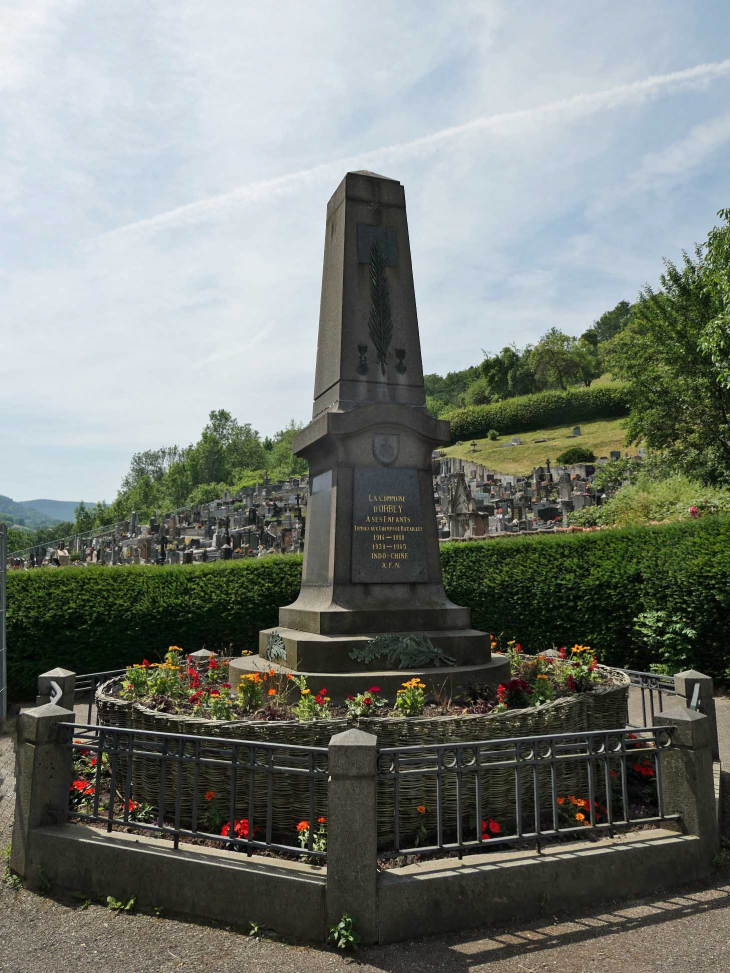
x: 541, y: 675
x: 305, y: 691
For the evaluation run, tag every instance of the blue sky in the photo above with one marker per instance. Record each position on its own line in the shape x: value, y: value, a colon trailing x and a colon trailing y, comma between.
x: 165, y: 167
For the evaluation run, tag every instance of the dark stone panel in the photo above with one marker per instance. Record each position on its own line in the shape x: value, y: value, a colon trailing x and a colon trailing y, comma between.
x: 384, y: 236
x: 388, y: 539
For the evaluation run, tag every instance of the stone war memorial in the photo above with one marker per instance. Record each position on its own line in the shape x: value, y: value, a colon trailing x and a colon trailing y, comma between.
x: 376, y: 771
x: 371, y: 556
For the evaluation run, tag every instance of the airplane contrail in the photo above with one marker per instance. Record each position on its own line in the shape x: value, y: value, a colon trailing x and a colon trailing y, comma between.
x: 576, y: 106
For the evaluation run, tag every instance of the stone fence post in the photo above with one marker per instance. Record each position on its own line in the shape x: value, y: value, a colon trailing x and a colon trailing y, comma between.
x: 42, y: 780
x: 352, y: 832
x: 684, y: 685
x: 688, y: 782
x: 64, y: 679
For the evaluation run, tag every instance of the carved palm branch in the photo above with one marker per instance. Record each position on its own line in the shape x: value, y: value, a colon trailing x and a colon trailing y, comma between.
x: 380, y: 323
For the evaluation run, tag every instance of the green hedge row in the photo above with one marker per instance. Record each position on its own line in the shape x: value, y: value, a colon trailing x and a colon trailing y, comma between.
x: 540, y: 411
x: 99, y: 618
x: 546, y: 590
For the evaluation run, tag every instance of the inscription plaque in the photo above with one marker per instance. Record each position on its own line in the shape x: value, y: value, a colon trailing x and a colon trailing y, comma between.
x: 388, y: 543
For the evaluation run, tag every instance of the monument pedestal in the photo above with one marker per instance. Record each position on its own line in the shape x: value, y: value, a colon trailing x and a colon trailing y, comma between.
x: 371, y: 555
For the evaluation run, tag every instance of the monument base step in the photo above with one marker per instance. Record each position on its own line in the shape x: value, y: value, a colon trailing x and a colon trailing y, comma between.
x: 446, y: 681
x: 309, y: 652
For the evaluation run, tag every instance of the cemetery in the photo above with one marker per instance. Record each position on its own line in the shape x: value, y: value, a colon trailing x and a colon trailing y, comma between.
x: 352, y: 739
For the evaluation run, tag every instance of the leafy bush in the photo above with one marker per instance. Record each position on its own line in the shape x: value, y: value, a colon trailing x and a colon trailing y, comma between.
x: 672, y: 498
x: 558, y: 589
x: 576, y: 454
x: 527, y: 412
x: 493, y: 435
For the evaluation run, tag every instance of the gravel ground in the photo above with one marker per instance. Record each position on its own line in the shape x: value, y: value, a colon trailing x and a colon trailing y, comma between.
x: 668, y: 932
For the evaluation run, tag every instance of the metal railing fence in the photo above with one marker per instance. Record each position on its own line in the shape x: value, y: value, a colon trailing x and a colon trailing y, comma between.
x: 119, y: 768
x: 654, y: 689
x: 88, y: 683
x: 614, y: 768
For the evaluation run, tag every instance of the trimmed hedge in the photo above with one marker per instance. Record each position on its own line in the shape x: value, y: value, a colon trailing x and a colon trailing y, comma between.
x: 99, y: 618
x: 540, y: 411
x: 556, y: 589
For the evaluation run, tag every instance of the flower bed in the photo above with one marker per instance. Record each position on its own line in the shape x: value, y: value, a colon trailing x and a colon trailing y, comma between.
x: 567, y: 694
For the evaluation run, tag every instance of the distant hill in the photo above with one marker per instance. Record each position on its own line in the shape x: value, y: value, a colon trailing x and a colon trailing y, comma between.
x: 56, y: 510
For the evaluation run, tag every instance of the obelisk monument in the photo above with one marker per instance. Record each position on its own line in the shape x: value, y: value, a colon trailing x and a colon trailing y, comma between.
x: 371, y: 555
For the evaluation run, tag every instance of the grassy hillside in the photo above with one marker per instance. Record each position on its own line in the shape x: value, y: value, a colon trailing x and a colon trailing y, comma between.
x: 601, y: 436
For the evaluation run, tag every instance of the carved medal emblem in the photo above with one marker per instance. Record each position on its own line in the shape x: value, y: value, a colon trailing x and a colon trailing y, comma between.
x: 386, y: 447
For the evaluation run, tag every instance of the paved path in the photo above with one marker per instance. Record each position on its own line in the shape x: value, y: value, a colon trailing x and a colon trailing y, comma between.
x: 685, y: 930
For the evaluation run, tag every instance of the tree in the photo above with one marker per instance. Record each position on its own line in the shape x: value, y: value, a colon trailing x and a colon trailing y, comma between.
x: 609, y: 324
x: 716, y: 338
x: 554, y: 360
x: 509, y: 373
x: 679, y: 402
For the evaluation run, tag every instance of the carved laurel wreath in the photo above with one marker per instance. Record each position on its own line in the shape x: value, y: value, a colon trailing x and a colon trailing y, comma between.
x: 380, y: 322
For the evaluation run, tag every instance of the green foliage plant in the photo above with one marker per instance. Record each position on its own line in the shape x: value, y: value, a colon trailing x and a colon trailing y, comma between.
x: 343, y: 935
x: 410, y: 699
x: 402, y: 652
x: 668, y: 637
x: 250, y: 692
x: 366, y: 703
x: 308, y: 706
x: 493, y: 435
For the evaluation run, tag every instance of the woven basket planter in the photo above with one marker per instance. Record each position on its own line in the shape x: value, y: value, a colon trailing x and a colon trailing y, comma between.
x: 603, y: 709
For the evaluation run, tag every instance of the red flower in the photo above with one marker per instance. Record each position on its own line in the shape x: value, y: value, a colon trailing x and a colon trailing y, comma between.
x: 490, y: 827
x: 240, y: 828
x: 374, y: 689
x: 83, y: 786
x: 321, y: 820
x: 593, y: 665
x: 303, y: 826
x: 132, y: 805
x: 367, y: 701
x: 571, y: 682
x: 213, y: 664
x: 145, y: 664
x: 562, y: 653
x: 225, y: 685
x: 350, y: 697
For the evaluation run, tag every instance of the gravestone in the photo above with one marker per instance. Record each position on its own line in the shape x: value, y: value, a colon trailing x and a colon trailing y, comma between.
x: 371, y: 555
x: 615, y: 455
x: 576, y: 431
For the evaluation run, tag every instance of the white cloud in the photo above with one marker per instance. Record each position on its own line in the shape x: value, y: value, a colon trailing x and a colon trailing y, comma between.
x: 510, y: 125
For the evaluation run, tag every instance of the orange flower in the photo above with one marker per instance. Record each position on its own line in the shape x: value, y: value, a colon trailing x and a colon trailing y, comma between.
x: 421, y: 808
x: 303, y: 826
x: 209, y: 795
x: 271, y: 673
x: 271, y: 692
x: 561, y: 800
x: 580, y: 817
x: 321, y: 820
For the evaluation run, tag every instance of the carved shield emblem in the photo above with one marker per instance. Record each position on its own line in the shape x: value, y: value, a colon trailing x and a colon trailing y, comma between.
x: 386, y: 447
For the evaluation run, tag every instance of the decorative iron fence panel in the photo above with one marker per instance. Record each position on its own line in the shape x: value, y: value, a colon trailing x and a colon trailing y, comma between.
x: 151, y: 782
x: 559, y: 785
